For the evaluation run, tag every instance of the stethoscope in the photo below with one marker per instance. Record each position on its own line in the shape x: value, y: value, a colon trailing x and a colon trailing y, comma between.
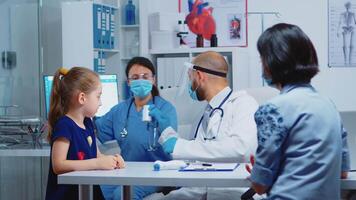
x: 217, y: 109
x: 124, y: 131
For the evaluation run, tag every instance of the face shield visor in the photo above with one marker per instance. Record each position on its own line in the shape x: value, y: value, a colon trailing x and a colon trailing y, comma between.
x: 187, y: 74
x: 184, y: 78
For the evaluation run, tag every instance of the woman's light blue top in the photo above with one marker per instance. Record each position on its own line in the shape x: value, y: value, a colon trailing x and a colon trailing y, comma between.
x: 134, y: 146
x: 302, y: 146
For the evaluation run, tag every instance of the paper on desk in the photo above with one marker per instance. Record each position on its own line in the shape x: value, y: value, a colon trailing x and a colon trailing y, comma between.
x: 213, y: 167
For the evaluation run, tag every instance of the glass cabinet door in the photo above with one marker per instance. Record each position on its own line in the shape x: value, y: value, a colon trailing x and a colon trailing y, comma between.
x: 19, y: 51
x: 20, y: 177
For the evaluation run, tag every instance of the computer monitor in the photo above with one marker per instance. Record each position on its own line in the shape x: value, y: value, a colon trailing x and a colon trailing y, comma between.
x: 109, y: 96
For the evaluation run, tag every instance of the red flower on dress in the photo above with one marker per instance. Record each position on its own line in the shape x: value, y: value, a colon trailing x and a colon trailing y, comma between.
x: 81, y: 155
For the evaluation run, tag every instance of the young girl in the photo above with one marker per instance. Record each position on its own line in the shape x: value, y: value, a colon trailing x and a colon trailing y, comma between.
x: 75, y: 98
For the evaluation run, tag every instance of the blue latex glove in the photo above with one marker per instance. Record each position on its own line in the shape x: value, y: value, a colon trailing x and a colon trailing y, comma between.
x: 162, y: 119
x: 169, y: 145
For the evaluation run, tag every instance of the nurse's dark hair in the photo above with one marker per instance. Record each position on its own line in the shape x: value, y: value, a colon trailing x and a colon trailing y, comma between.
x: 145, y: 62
x: 66, y: 86
x: 288, y: 53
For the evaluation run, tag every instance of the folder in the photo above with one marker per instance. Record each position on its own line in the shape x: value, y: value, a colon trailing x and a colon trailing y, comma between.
x: 107, y: 27
x: 97, y: 25
x: 161, y: 73
x: 112, y: 28
x: 102, y: 65
x: 210, y: 167
x: 96, y: 61
x: 103, y: 27
x: 170, y: 82
x: 99, y: 62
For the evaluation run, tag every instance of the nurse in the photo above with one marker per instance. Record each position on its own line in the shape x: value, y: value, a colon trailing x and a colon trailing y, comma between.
x: 302, y: 149
x: 124, y: 123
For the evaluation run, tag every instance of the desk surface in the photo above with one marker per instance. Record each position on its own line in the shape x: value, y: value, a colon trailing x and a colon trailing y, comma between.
x: 350, y: 182
x: 141, y: 173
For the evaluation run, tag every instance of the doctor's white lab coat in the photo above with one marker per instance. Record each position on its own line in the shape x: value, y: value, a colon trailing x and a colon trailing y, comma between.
x: 235, y: 140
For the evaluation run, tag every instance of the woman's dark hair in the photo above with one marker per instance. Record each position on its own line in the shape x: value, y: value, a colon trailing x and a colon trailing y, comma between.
x: 288, y: 53
x: 145, y: 62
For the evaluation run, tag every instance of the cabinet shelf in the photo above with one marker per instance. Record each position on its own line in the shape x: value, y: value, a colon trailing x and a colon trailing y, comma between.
x: 192, y: 50
x: 130, y: 26
x: 108, y: 50
x: 126, y: 58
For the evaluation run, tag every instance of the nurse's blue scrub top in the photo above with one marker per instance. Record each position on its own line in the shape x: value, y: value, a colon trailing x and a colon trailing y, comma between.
x: 134, y: 146
x: 302, y: 146
x: 79, y: 149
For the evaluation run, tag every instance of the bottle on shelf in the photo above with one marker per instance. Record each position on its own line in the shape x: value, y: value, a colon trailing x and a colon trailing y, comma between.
x: 130, y: 13
x: 182, y: 33
x: 200, y: 40
x: 213, y: 40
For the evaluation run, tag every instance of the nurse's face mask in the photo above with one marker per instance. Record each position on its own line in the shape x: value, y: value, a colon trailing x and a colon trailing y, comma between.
x: 141, y: 84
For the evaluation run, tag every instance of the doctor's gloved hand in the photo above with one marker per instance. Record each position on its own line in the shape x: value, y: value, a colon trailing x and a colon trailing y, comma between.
x: 169, y: 145
x: 162, y: 119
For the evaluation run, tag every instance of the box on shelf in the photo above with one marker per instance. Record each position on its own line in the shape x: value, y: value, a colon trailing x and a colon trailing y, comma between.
x: 164, y: 40
x: 160, y: 21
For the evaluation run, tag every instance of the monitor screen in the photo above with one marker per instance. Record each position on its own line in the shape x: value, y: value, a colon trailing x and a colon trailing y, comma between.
x: 109, y: 96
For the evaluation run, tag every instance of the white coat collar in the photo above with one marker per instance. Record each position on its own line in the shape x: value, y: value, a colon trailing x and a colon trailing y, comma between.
x: 219, y: 97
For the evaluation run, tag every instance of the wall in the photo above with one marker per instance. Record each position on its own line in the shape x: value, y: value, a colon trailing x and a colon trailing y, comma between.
x: 152, y: 6
x: 312, y: 17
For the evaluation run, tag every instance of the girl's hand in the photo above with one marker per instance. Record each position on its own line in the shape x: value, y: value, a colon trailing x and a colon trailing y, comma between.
x: 120, y: 161
x: 107, y: 162
x: 252, y: 161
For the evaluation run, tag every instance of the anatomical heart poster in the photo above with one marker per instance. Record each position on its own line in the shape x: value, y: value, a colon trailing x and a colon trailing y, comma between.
x: 225, y: 18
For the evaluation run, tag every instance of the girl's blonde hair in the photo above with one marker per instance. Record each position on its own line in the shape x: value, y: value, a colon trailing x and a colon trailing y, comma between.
x: 66, y: 84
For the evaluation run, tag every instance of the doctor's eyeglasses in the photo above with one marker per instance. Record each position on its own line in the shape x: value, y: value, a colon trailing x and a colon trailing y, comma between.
x: 145, y: 76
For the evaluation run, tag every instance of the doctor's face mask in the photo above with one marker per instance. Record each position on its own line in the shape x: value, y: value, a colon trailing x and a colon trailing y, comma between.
x: 194, y: 93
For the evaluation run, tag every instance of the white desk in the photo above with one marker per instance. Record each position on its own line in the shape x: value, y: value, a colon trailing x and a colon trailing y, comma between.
x: 141, y: 173
x: 350, y: 182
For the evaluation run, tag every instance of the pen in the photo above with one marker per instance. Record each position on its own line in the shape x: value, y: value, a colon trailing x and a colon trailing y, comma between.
x: 248, y: 194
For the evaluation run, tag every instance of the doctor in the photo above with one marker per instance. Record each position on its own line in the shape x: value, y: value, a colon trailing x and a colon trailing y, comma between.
x: 124, y: 123
x: 225, y: 133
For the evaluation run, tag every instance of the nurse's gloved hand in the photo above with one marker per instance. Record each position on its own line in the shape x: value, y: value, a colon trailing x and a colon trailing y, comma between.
x: 162, y: 118
x: 169, y: 145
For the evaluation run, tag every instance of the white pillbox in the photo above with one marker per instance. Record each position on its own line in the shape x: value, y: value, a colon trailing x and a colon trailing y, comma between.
x: 161, y: 40
x: 160, y: 21
x: 145, y: 114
